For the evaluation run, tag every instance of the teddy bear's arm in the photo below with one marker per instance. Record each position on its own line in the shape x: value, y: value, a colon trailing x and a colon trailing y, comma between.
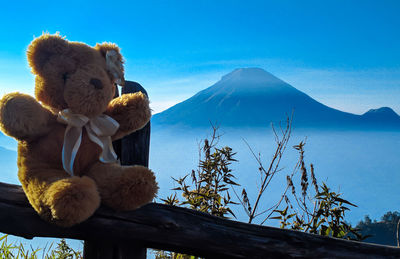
x: 131, y: 111
x: 22, y: 117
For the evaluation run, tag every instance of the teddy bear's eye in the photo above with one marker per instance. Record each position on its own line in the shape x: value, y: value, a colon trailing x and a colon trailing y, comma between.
x: 65, y: 77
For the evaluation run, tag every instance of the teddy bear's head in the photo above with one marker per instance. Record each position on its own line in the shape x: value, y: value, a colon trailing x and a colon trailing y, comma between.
x: 74, y: 75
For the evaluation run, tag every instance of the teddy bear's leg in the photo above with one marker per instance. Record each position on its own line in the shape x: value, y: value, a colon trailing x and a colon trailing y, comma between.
x: 62, y: 199
x: 124, y: 187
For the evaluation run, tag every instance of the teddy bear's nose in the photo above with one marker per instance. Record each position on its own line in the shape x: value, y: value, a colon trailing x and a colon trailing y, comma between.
x: 97, y: 83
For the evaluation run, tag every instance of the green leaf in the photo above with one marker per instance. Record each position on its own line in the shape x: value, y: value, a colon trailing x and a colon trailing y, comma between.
x: 345, y: 201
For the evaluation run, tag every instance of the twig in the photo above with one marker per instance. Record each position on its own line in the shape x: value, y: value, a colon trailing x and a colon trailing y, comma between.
x: 274, y: 164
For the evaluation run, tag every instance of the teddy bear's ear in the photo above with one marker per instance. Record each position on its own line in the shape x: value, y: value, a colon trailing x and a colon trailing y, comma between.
x: 43, y: 48
x: 114, y: 61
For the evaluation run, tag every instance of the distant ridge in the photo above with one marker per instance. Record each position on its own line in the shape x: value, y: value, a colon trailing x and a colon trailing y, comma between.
x: 252, y: 97
x: 384, y: 113
x: 8, y: 162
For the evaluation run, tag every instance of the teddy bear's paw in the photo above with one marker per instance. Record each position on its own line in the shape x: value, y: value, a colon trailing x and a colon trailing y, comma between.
x: 72, y: 200
x: 134, y: 187
x: 131, y: 110
x: 22, y: 117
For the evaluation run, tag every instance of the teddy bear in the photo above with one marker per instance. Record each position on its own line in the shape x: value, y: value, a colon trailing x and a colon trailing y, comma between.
x: 66, y: 163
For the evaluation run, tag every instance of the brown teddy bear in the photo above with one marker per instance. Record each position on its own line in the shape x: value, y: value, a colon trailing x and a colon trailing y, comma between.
x: 65, y: 157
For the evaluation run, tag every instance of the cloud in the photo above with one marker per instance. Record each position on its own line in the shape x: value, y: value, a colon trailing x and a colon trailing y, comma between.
x: 353, y: 91
x: 160, y: 106
x: 348, y: 81
x: 15, y: 76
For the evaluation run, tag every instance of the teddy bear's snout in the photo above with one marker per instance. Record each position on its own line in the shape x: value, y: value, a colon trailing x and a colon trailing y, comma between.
x: 96, y: 83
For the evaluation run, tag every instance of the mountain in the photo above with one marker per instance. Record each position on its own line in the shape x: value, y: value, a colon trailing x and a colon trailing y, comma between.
x: 8, y: 162
x: 7, y: 142
x: 249, y: 97
x: 381, y: 114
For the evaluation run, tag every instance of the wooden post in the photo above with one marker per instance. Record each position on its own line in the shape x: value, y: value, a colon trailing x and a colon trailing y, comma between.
x: 131, y: 150
x: 136, y: 146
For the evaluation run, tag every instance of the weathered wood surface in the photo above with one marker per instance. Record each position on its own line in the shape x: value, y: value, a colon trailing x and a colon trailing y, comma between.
x: 131, y: 150
x: 135, y: 147
x: 182, y: 230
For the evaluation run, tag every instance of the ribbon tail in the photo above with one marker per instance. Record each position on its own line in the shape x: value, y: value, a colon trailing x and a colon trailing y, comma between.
x: 107, y: 154
x: 72, y: 141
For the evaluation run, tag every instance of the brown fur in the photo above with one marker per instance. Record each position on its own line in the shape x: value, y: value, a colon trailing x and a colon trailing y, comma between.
x: 23, y: 117
x: 64, y: 72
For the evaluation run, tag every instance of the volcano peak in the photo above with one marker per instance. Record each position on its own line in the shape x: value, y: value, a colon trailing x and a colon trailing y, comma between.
x: 251, y: 74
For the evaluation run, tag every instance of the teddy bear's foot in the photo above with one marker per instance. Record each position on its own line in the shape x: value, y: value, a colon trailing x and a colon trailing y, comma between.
x: 135, y: 187
x: 124, y: 187
x: 72, y: 200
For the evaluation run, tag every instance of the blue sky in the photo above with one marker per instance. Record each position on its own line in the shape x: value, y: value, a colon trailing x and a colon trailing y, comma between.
x: 345, y: 54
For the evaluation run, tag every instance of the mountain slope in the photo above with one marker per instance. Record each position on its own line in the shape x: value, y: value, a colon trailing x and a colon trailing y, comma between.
x: 8, y: 162
x: 7, y: 142
x: 249, y: 97
x: 383, y: 113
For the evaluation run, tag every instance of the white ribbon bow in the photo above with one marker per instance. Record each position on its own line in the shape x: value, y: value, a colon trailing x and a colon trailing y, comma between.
x: 99, y: 129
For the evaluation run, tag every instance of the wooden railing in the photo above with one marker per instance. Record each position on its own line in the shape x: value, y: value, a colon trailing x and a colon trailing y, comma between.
x: 181, y: 230
x: 126, y: 235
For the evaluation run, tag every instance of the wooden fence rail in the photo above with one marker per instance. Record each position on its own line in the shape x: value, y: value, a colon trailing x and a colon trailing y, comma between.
x: 182, y: 230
